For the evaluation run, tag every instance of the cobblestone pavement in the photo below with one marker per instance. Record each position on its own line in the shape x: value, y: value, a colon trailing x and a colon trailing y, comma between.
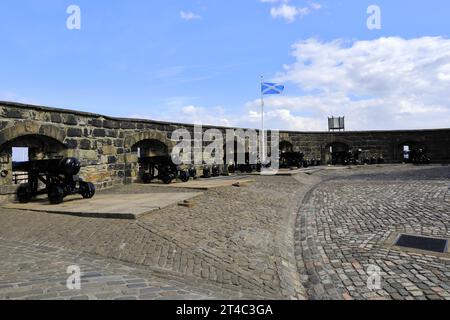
x: 39, y: 272
x: 237, y: 241
x: 344, y: 223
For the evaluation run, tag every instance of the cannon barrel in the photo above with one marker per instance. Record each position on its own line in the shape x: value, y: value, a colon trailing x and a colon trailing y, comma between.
x: 66, y: 166
x: 159, y: 160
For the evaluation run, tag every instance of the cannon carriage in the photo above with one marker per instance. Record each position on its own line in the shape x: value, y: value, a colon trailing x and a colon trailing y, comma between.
x: 211, y: 171
x: 247, y: 166
x: 163, y: 168
x: 361, y: 157
x: 57, y: 178
x: 419, y: 156
x: 293, y: 159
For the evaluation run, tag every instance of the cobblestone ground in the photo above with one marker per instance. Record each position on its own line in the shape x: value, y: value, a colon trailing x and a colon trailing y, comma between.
x: 39, y: 272
x: 344, y: 223
x: 236, y: 242
x: 269, y: 240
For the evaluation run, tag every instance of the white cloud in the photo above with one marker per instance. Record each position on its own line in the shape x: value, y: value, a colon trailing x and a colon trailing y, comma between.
x: 290, y: 12
x: 387, y: 83
x: 287, y: 12
x: 191, y: 114
x: 381, y: 84
x: 187, y: 15
x: 188, y: 110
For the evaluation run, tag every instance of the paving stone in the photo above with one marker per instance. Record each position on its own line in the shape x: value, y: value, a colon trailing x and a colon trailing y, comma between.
x: 232, y: 243
x: 349, y: 217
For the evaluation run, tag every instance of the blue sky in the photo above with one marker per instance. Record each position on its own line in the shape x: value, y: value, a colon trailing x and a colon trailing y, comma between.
x: 200, y: 61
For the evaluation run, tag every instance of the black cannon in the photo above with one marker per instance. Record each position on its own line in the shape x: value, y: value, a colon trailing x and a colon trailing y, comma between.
x: 161, y: 168
x: 247, y: 166
x: 206, y: 172
x: 358, y: 157
x: 293, y: 159
x: 314, y: 162
x: 419, y: 156
x: 215, y: 170
x: 192, y: 172
x: 209, y: 171
x: 58, y: 176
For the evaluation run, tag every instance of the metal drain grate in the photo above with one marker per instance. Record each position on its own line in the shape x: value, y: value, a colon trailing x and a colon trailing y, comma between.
x: 422, y: 243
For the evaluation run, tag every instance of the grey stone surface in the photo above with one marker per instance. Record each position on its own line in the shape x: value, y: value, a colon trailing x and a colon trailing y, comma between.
x: 274, y: 239
x: 236, y: 240
x: 121, y: 206
x: 344, y: 223
x: 30, y: 272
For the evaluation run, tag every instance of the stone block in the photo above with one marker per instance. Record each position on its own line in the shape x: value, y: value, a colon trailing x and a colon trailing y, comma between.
x: 131, y: 158
x: 14, y: 113
x: 87, y: 154
x: 71, y: 143
x: 85, y: 144
x: 70, y: 120
x: 109, y: 150
x: 19, y: 129
x: 127, y: 125
x: 99, y: 133
x: 111, y: 133
x: 55, y: 117
x: 109, y: 124
x: 96, y: 123
x: 74, y: 132
x: 118, y: 143
x: 112, y: 159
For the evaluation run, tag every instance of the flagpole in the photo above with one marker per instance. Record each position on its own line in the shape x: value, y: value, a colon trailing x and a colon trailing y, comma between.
x: 263, y: 145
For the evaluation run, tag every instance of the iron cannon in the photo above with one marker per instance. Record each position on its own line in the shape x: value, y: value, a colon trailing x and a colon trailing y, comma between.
x: 56, y: 178
x: 162, y: 168
x: 293, y: 159
x: 419, y: 156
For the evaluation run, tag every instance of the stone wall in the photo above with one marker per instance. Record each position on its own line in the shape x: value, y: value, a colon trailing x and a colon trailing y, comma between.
x: 388, y: 144
x: 105, y: 144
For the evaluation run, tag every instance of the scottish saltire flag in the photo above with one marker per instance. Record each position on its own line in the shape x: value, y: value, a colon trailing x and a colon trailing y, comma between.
x: 272, y: 88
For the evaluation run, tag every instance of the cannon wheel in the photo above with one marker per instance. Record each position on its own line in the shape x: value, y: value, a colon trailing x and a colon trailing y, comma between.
x: 215, y: 172
x: 192, y: 173
x: 24, y: 194
x: 147, y: 178
x: 87, y: 190
x: 167, y: 179
x: 55, y: 194
x: 184, y: 176
x: 206, y: 173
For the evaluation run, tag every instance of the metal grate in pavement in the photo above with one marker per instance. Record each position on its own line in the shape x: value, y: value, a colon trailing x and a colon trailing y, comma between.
x: 422, y: 243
